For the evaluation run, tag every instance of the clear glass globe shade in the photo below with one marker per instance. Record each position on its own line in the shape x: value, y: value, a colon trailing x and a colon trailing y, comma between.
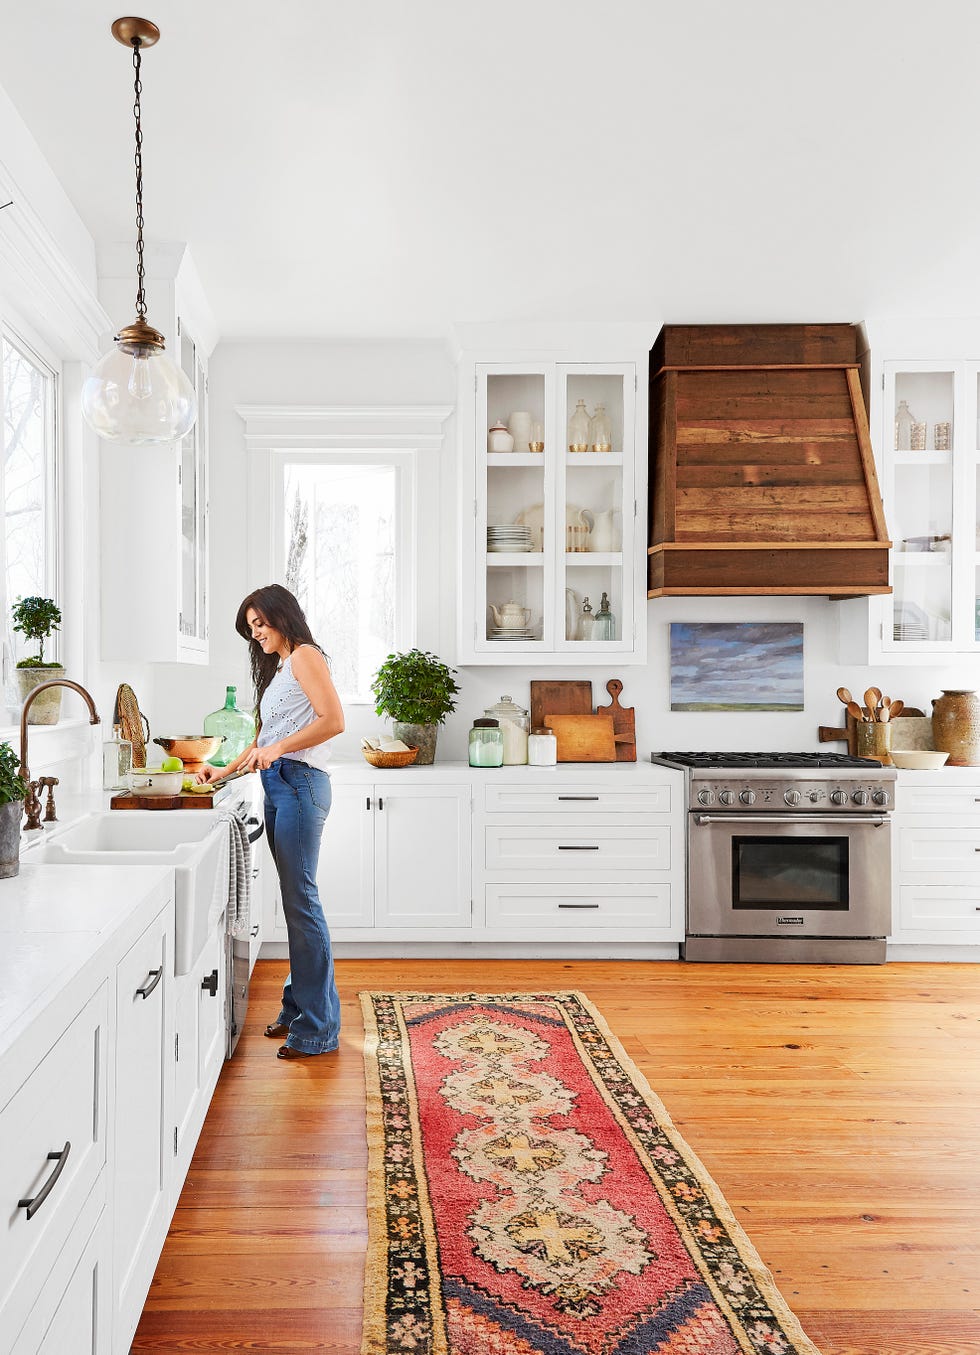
x: 138, y: 398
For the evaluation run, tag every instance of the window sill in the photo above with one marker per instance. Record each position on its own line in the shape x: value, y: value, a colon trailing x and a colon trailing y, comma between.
x: 51, y: 743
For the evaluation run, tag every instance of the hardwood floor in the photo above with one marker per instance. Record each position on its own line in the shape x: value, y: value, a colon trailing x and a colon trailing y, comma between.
x: 836, y: 1107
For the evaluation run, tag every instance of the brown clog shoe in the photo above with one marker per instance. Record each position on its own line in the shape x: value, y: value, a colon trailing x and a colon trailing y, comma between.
x: 286, y: 1052
x: 277, y: 1031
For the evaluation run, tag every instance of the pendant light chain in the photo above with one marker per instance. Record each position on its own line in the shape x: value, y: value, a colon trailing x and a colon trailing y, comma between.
x: 140, y: 270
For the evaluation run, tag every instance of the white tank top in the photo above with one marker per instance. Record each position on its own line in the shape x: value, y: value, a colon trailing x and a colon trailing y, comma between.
x: 285, y: 709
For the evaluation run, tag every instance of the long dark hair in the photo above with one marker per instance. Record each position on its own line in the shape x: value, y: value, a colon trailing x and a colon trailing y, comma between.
x: 279, y: 609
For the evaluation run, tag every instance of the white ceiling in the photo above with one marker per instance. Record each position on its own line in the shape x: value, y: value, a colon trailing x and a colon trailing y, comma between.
x: 394, y: 166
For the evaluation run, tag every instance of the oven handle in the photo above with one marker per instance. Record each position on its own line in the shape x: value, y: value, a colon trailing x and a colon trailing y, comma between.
x: 865, y: 820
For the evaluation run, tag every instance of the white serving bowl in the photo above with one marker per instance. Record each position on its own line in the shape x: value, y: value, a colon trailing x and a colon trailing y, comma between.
x: 152, y: 781
x: 918, y: 760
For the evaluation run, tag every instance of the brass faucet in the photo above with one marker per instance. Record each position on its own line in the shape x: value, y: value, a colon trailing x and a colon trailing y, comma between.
x: 32, y: 801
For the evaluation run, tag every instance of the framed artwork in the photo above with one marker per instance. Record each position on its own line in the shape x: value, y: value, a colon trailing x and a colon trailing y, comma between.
x: 738, y: 665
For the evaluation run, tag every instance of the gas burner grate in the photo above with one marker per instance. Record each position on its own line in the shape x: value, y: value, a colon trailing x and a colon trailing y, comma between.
x: 764, y: 760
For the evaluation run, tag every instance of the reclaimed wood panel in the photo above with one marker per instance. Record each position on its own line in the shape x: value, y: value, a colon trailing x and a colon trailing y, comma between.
x: 790, y: 345
x: 748, y: 567
x: 694, y: 474
x: 733, y: 525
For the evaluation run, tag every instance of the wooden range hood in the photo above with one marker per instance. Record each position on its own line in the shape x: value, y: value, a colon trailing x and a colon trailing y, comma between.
x: 762, y: 478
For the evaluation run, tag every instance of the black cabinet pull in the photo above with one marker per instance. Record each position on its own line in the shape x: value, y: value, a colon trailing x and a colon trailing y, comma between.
x: 255, y: 930
x: 578, y: 905
x: 578, y: 797
x: 33, y: 1205
x: 155, y: 975
x: 367, y: 802
x: 578, y: 849
x: 381, y: 802
x: 210, y: 984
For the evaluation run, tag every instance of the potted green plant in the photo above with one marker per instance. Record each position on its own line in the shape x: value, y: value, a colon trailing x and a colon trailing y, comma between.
x: 37, y: 619
x: 13, y: 789
x: 416, y: 691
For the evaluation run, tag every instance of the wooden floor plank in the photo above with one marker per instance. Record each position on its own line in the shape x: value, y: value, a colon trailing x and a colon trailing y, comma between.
x: 837, y: 1108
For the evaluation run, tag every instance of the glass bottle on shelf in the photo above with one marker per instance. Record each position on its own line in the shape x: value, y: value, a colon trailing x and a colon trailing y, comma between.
x: 486, y: 744
x: 904, y: 420
x: 605, y: 622
x: 237, y: 728
x: 117, y: 758
x: 586, y: 621
x: 537, y: 437
x: 578, y: 429
x: 600, y: 430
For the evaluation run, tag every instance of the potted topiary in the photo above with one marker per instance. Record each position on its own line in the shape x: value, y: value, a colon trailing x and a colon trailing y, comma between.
x: 13, y: 788
x: 416, y: 691
x: 37, y: 619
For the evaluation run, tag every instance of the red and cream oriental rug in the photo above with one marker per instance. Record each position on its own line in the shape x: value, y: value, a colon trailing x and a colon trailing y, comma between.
x: 529, y: 1195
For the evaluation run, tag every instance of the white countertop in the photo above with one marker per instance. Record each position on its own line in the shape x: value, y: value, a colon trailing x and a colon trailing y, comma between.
x: 356, y: 769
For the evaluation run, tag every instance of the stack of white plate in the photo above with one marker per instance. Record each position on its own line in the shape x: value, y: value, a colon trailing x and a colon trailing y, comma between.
x: 511, y: 536
x: 512, y: 633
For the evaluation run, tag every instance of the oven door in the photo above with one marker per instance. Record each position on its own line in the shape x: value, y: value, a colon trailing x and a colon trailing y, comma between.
x: 821, y: 875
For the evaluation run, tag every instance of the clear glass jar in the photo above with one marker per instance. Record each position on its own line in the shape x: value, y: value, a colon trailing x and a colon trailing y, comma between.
x: 237, y: 727
x: 486, y: 744
x: 578, y: 429
x: 542, y: 748
x: 117, y: 758
x: 514, y: 722
x: 600, y: 430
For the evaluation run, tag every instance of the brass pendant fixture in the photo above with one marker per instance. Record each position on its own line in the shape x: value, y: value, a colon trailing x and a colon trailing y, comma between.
x: 136, y: 394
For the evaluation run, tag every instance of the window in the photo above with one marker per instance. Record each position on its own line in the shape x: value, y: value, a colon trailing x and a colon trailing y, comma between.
x: 341, y: 522
x: 27, y: 481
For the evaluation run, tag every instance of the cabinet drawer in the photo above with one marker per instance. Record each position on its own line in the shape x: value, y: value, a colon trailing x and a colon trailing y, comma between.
x: 939, y: 849
x: 603, y: 849
x: 578, y: 798
x: 63, y: 1102
x: 563, y: 910
x: 952, y: 801
x: 930, y: 909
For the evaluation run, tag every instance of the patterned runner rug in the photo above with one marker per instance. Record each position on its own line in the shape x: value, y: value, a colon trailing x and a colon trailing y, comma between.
x: 529, y: 1195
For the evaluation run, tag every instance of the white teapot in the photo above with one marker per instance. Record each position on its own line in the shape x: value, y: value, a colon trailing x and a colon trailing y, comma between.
x: 510, y: 616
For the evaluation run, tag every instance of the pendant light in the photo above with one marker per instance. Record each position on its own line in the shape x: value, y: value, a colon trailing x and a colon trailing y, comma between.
x: 135, y: 393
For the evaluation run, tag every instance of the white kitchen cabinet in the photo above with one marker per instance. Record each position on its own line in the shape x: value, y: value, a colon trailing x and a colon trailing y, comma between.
x: 199, y: 1042
x: 395, y: 860
x: 73, y: 1312
x: 924, y: 424
x: 577, y: 853
x: 584, y: 511
x: 143, y: 1138
x: 936, y: 858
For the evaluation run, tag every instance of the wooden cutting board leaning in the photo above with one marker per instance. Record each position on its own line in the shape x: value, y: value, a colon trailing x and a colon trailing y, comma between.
x: 583, y: 738
x: 624, y: 722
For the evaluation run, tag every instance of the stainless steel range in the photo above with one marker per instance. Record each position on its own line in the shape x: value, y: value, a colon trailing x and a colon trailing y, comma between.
x: 788, y: 856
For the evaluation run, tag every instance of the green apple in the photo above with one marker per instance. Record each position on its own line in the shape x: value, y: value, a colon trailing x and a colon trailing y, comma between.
x: 171, y: 764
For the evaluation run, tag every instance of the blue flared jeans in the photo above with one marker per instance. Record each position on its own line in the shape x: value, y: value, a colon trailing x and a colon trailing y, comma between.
x: 297, y: 802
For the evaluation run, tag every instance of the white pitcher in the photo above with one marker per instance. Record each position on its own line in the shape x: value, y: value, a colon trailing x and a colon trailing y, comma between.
x: 606, y: 535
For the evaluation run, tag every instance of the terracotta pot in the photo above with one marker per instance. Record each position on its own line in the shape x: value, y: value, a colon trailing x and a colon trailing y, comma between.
x: 46, y: 710
x: 956, y: 727
x: 422, y: 737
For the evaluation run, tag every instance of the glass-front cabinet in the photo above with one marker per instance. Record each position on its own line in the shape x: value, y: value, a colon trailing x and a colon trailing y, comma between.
x: 930, y: 447
x: 552, y: 568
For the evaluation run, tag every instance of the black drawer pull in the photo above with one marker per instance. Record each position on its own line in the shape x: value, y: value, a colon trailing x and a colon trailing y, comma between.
x: 156, y: 975
x: 578, y: 905
x: 367, y: 802
x: 578, y: 797
x: 33, y: 1205
x: 210, y: 984
x: 578, y: 849
x: 255, y: 930
x: 381, y: 802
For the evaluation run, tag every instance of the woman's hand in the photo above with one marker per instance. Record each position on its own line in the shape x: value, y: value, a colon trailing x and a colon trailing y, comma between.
x: 209, y: 773
x: 258, y: 759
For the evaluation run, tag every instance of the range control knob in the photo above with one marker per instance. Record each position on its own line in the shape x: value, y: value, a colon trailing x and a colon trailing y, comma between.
x: 747, y: 797
x: 880, y: 797
x: 727, y: 797
x: 792, y: 797
x: 860, y: 797
x: 705, y: 797
x: 838, y: 797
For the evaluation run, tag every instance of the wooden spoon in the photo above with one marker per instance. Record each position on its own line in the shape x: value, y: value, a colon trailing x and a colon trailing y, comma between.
x: 884, y: 714
x: 895, y: 709
x: 844, y: 695
x: 854, y: 709
x: 871, y: 698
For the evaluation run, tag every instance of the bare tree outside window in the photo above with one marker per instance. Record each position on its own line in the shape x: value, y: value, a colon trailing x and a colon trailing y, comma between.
x: 27, y: 435
x: 340, y: 534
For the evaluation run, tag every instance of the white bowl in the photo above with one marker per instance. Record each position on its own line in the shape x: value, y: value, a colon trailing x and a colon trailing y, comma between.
x: 917, y: 760
x: 151, y: 781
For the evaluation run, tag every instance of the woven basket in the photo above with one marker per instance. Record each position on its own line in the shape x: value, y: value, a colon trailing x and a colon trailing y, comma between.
x: 380, y: 759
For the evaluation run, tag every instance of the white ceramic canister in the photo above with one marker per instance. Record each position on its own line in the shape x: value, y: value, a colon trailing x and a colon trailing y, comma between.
x: 499, y: 438
x: 542, y: 748
x: 519, y: 424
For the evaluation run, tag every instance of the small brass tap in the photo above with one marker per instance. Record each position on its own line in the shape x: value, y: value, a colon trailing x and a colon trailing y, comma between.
x: 32, y: 801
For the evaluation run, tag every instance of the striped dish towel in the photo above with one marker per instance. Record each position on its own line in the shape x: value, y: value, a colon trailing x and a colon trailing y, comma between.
x: 239, y: 876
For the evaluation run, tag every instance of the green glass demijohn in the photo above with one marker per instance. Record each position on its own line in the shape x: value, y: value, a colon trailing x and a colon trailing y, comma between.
x: 237, y: 727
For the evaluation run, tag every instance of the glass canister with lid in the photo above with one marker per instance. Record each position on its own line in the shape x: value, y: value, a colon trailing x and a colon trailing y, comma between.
x: 542, y: 748
x: 514, y: 723
x: 486, y: 744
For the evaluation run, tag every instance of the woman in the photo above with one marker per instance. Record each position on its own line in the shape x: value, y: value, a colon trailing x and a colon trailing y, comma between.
x: 299, y: 711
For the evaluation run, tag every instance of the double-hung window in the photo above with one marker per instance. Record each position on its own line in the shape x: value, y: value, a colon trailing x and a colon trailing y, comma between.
x: 29, y: 435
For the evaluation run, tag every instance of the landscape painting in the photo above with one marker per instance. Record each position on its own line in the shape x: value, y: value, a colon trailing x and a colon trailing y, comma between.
x: 741, y: 665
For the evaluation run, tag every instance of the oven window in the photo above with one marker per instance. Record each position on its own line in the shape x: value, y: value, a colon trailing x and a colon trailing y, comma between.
x: 797, y: 872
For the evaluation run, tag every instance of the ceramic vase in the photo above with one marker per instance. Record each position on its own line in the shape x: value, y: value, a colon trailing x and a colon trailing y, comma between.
x: 422, y: 737
x: 956, y: 727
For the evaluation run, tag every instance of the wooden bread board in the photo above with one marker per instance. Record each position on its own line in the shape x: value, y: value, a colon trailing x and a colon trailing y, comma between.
x: 624, y: 722
x: 559, y: 698
x: 583, y: 738
x: 185, y: 800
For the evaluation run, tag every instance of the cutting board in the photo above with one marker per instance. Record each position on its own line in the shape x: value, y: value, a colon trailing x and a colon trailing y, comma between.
x: 559, y: 698
x: 624, y: 722
x: 185, y: 800
x: 583, y: 738
x: 827, y: 735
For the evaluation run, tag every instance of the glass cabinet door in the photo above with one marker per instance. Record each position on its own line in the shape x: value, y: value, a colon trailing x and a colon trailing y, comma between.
x: 923, y: 404
x: 193, y: 505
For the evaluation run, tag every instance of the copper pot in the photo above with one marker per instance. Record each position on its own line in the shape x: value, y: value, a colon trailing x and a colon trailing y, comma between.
x: 192, y: 749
